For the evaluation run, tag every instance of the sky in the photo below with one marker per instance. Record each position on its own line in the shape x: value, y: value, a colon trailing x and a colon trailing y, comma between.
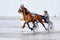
x: 10, y: 7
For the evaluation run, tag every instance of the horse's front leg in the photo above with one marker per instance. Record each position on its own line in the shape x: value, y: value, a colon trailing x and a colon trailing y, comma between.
x: 24, y: 25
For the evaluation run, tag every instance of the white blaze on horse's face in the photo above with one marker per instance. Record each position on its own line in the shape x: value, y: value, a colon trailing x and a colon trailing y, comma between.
x: 19, y: 10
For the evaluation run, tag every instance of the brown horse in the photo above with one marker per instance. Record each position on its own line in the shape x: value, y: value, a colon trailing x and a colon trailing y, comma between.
x: 29, y: 18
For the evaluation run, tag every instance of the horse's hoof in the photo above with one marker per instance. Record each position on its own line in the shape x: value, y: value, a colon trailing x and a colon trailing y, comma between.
x: 31, y: 29
x: 23, y: 27
x: 46, y: 29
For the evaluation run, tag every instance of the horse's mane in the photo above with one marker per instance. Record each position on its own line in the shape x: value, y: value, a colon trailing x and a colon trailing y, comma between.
x: 27, y: 11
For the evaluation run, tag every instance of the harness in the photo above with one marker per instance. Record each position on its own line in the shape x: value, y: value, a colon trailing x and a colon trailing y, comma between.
x: 33, y: 14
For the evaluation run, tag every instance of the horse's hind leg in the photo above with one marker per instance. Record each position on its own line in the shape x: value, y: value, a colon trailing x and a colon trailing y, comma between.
x: 44, y: 26
x: 33, y: 24
x: 40, y: 20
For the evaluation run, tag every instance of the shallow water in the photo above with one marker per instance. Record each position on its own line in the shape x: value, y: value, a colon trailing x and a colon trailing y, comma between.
x: 10, y: 30
x: 30, y: 36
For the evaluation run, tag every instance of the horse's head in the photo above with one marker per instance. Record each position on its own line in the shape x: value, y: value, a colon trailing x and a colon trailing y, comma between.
x: 21, y: 9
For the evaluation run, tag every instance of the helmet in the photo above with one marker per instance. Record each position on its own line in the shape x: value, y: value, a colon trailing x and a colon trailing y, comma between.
x: 45, y: 11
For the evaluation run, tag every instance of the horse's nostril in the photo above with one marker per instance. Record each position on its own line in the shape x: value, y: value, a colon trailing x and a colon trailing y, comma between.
x: 18, y: 11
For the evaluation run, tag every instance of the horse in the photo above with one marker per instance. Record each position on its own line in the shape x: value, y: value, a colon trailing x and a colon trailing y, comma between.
x: 29, y: 18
